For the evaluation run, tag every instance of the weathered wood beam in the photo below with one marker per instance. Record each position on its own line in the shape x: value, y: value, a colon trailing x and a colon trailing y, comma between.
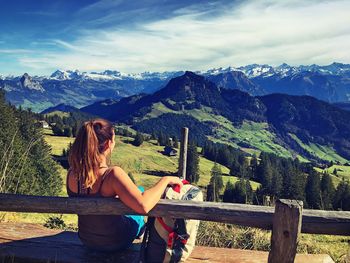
x: 285, y: 231
x: 314, y: 221
x: 183, y: 153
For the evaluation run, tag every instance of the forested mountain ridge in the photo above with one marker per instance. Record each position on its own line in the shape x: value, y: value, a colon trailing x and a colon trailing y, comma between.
x: 293, y: 124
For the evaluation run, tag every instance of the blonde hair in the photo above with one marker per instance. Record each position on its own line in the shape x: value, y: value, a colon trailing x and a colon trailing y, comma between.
x: 85, y: 154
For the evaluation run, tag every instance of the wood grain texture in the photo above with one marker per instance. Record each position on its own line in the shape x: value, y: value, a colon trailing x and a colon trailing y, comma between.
x: 23, y: 242
x: 314, y: 221
x: 183, y: 153
x: 285, y: 231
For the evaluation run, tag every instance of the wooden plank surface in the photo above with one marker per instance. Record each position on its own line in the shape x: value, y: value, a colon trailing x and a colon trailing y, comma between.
x: 285, y: 231
x: 314, y: 221
x: 23, y: 242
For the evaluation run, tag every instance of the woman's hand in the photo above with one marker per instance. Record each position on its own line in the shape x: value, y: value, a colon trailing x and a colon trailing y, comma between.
x: 174, y: 180
x: 131, y: 196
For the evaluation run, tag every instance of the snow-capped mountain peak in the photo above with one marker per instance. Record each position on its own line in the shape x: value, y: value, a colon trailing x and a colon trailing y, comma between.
x: 60, y: 75
x: 256, y: 70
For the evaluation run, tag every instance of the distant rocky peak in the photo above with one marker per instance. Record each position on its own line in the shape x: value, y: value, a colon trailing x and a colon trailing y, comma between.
x: 109, y: 72
x: 191, y: 74
x: 256, y: 70
x: 283, y: 67
x: 191, y: 86
x: 60, y: 75
x: 26, y: 81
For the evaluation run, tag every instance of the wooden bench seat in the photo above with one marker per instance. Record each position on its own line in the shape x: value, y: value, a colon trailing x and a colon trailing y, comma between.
x: 23, y: 242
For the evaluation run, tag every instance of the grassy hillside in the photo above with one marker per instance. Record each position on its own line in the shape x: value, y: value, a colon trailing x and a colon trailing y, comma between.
x: 57, y: 143
x: 144, y: 160
x: 320, y: 151
x: 147, y: 163
x: 58, y: 113
x: 255, y: 137
x: 251, y: 137
x: 342, y: 172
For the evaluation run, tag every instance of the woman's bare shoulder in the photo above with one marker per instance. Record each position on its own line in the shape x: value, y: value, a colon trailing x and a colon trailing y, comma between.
x: 117, y: 171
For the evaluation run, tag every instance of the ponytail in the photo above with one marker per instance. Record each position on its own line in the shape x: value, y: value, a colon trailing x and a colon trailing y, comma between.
x: 85, y: 154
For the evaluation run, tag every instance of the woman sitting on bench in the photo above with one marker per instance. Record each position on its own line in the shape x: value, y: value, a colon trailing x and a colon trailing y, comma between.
x: 90, y: 176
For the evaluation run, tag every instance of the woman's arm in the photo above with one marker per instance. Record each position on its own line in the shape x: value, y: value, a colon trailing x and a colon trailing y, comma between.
x: 130, y: 195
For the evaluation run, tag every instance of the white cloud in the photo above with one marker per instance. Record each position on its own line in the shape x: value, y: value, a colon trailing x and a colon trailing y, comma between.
x: 15, y: 51
x: 271, y: 32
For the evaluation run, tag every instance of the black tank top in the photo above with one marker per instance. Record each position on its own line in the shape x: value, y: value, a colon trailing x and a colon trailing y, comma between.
x: 101, y: 232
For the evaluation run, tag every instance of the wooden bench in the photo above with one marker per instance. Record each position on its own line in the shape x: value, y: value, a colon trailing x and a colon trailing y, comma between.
x: 23, y: 242
x: 286, y: 221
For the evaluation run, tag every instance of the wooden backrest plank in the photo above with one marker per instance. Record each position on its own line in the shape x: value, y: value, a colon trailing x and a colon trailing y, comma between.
x: 314, y: 221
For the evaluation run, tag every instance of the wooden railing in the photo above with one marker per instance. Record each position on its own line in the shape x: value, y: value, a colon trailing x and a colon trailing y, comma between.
x: 286, y: 221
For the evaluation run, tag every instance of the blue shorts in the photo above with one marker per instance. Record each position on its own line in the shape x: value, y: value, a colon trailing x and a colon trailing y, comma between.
x: 138, y: 221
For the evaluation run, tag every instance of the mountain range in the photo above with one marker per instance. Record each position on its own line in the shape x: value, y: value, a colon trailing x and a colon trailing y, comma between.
x: 290, y: 126
x: 329, y: 83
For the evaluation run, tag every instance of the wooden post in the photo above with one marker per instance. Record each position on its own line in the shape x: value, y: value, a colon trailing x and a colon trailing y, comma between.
x: 183, y: 153
x: 285, y: 230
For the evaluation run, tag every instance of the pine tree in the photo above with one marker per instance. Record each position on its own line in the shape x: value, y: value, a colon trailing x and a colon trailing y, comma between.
x: 328, y: 191
x: 313, y: 190
x: 265, y: 176
x: 298, y: 185
x: 288, y: 176
x: 228, y: 193
x: 162, y: 139
x: 192, y: 168
x: 138, y: 139
x: 254, y: 166
x: 277, y: 183
x: 235, y: 168
x: 243, y: 192
x: 210, y: 193
x: 342, y: 196
x: 216, y: 182
x: 25, y: 162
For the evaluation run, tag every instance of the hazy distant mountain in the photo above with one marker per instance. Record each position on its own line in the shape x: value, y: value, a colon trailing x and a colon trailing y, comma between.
x: 234, y: 79
x: 78, y: 88
x: 300, y: 125
x: 60, y: 107
x: 329, y: 83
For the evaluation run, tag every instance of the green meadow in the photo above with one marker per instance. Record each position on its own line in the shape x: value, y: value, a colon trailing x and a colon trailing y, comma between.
x: 320, y: 151
x: 342, y: 172
x: 147, y: 164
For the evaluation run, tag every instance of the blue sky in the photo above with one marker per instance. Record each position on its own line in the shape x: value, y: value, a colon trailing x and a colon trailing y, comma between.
x: 135, y: 36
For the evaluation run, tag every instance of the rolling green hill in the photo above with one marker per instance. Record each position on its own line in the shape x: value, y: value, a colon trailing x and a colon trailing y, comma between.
x: 146, y: 160
x: 289, y: 126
